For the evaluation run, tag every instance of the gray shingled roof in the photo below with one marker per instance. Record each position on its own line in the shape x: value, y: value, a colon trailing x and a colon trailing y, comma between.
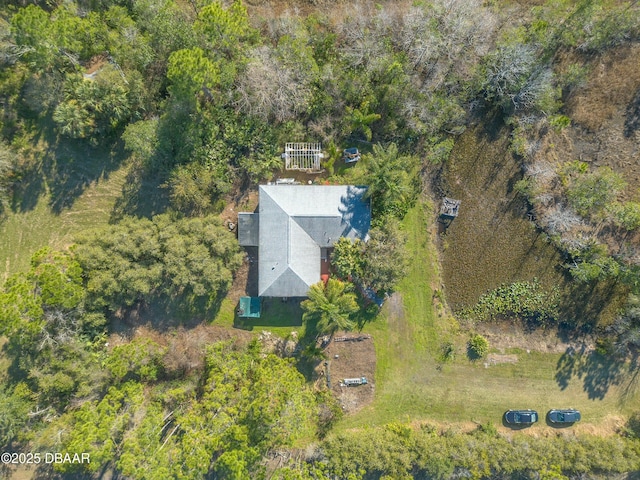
x: 248, y: 228
x: 295, y: 222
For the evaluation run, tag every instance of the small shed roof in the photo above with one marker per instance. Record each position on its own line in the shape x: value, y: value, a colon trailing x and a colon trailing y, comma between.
x: 249, y: 307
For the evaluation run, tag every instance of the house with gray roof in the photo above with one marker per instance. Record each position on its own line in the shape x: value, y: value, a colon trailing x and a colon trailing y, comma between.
x: 294, y: 229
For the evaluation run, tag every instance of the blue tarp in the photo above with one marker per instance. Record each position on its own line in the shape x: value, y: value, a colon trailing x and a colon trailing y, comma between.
x: 371, y: 295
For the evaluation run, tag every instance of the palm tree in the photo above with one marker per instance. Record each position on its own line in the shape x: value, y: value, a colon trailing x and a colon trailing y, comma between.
x: 331, y: 306
x: 391, y: 181
x: 361, y: 119
x: 73, y: 119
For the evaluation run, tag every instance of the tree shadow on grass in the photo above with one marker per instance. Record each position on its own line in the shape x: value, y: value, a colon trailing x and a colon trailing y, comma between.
x: 567, y: 366
x: 582, y: 305
x: 492, y: 121
x: 367, y: 313
x: 631, y: 387
x: 27, y: 191
x: 632, y: 116
x: 72, y: 166
x: 144, y: 194
x: 600, y: 374
x: 65, y: 170
x: 597, y: 372
x: 164, y: 313
x: 472, y: 355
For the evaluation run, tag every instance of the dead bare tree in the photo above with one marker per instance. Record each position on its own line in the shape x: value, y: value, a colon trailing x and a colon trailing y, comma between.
x: 271, y: 89
x: 541, y: 170
x: 561, y: 219
x: 509, y: 70
x: 436, y: 36
x: 363, y: 37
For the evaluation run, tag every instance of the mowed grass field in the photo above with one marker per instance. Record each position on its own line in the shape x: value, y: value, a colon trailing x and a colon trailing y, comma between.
x: 413, y: 384
x: 47, y: 215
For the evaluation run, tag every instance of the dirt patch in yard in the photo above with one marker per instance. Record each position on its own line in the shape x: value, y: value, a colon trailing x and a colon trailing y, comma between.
x: 511, y: 335
x: 496, y: 359
x: 353, y: 357
x: 242, y: 201
x: 396, y: 308
x: 245, y: 280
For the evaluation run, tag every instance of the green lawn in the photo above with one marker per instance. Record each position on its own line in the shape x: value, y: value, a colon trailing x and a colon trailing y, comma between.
x: 27, y: 229
x: 24, y: 231
x: 280, y: 318
x: 413, y: 384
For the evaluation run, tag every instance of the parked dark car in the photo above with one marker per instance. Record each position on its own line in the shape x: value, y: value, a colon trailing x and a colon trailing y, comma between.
x: 521, y: 417
x: 564, y: 416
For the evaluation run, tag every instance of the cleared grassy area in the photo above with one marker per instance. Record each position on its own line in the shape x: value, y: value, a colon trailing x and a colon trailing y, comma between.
x: 24, y: 231
x: 412, y: 384
x: 406, y: 332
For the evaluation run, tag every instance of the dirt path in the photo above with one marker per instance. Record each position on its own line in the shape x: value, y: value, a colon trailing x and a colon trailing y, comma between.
x: 507, y: 335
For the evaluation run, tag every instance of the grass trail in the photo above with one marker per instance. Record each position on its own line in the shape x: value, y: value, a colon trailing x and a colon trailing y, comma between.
x: 406, y: 333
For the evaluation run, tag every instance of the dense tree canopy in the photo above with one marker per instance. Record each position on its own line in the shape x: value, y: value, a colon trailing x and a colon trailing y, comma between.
x: 384, y: 262
x: 248, y: 403
x: 134, y: 260
x: 51, y: 336
x: 378, y: 264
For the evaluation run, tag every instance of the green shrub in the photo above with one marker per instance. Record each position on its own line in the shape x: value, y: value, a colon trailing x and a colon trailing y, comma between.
x: 488, y: 428
x: 592, y: 262
x: 482, y: 454
x: 632, y: 427
x: 627, y: 215
x: 440, y: 151
x: 604, y: 346
x: 524, y: 187
x: 559, y: 122
x: 447, y: 351
x: 347, y: 258
x: 519, y: 142
x: 591, y: 193
x: 574, y: 76
x: 478, y: 346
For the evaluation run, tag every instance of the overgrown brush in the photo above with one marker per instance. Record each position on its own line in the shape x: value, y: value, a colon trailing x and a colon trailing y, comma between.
x: 520, y: 300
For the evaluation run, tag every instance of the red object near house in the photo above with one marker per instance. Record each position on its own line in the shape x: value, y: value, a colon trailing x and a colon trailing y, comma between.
x: 324, y: 270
